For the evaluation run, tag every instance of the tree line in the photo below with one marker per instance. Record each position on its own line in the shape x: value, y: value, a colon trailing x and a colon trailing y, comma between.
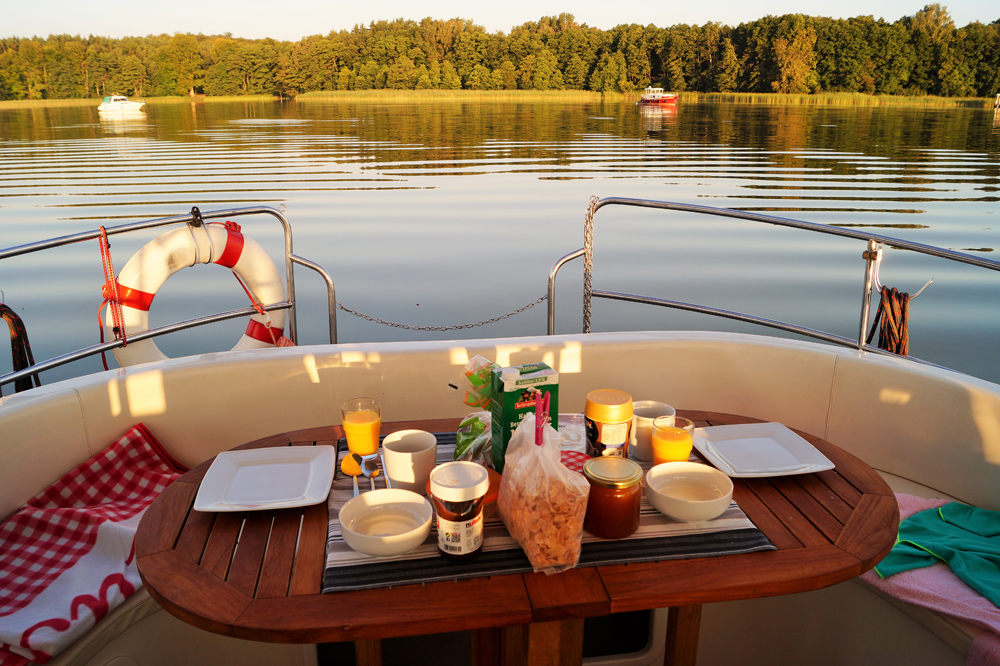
x: 923, y: 54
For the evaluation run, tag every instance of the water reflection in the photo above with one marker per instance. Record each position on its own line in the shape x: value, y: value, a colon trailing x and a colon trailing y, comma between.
x: 448, y: 213
x: 655, y: 117
x: 123, y: 121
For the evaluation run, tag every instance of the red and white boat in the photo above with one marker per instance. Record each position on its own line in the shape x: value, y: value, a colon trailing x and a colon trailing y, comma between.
x: 657, y: 96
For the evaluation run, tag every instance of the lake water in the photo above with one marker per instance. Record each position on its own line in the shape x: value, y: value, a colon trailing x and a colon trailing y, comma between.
x: 442, y: 214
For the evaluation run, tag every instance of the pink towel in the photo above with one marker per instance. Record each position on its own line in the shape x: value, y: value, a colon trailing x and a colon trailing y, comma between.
x: 937, y: 588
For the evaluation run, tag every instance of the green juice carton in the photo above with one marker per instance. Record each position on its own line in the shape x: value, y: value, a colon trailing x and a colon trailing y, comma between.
x: 513, y: 391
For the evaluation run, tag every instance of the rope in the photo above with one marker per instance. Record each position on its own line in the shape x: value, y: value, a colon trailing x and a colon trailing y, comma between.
x: 894, y: 322
x: 259, y: 307
x: 588, y: 261
x: 411, y: 327
x: 111, y: 297
x: 20, y: 349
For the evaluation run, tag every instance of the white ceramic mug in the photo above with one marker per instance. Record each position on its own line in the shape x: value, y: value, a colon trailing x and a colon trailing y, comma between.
x: 410, y: 455
x: 641, y: 439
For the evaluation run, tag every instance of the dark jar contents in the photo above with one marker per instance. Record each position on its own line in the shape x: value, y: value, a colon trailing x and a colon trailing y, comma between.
x: 615, y: 496
x: 458, y: 490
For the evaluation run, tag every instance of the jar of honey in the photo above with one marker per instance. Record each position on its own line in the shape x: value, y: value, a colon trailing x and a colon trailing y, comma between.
x: 615, y: 495
x: 608, y: 415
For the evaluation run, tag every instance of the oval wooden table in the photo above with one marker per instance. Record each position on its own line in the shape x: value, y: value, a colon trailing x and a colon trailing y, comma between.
x: 257, y: 575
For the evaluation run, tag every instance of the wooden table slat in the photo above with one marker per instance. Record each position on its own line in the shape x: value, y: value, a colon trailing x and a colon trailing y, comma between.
x: 194, y: 535
x: 280, y: 439
x: 311, y: 435
x: 762, y: 517
x: 704, y: 580
x: 784, y: 511
x: 840, y: 486
x: 245, y: 568
x: 276, y: 571
x: 720, y: 418
x: 572, y: 593
x: 694, y: 415
x: 190, y: 592
x: 815, y: 512
x: 221, y: 543
x: 310, y: 560
x: 871, y: 531
x: 858, y: 473
x: 830, y: 500
x: 165, y: 518
x: 408, y: 610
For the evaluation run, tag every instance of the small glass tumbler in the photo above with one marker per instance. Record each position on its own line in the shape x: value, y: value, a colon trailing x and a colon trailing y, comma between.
x: 362, y: 422
x: 672, y: 439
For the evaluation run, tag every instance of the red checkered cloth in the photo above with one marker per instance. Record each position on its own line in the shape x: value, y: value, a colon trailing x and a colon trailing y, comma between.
x: 573, y: 460
x: 69, y: 546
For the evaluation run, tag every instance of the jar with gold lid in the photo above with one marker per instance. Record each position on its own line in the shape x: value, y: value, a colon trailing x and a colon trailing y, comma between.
x: 615, y: 496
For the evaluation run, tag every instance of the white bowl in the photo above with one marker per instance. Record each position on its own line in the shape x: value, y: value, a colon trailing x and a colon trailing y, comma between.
x: 688, y: 492
x: 386, y: 522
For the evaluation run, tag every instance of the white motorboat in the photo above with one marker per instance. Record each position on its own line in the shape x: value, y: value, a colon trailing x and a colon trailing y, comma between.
x: 927, y: 430
x: 120, y: 103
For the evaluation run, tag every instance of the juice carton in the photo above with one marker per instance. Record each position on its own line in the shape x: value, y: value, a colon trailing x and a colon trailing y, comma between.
x: 513, y: 391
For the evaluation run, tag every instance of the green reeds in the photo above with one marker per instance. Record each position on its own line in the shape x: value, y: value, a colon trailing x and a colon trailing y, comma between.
x: 838, y: 99
x: 95, y: 101
x: 421, y: 96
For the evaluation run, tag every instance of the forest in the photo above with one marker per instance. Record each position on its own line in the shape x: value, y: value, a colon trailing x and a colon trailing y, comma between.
x: 922, y: 54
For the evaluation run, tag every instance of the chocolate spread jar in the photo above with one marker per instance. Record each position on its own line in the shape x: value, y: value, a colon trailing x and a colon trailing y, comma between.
x: 457, y: 492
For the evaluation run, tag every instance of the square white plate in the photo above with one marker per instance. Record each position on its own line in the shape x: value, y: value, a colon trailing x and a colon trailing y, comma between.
x: 273, y: 478
x: 759, y: 449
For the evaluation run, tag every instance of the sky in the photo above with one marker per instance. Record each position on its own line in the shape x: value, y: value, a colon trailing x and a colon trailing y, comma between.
x: 293, y: 19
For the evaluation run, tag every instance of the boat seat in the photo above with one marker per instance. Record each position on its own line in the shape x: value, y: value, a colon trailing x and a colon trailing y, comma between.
x: 955, y: 633
x: 141, y: 633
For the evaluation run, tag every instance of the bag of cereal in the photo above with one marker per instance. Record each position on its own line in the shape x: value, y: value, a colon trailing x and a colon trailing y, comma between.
x: 541, y: 502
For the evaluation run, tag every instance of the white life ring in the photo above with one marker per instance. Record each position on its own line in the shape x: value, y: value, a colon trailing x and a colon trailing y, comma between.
x: 165, y: 255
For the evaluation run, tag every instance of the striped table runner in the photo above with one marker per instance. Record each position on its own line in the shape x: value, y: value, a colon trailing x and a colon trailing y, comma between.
x: 658, y: 538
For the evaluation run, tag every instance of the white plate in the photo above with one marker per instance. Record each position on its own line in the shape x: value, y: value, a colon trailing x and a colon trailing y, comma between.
x: 759, y: 449
x: 273, y: 478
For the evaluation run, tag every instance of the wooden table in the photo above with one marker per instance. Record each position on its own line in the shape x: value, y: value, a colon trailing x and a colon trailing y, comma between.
x: 828, y: 527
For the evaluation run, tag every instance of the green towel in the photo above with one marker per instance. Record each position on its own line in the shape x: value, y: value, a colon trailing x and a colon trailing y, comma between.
x: 967, y: 539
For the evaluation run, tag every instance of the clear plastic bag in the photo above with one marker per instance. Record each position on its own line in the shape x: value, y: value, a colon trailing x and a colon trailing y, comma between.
x: 541, y: 502
x: 474, y: 439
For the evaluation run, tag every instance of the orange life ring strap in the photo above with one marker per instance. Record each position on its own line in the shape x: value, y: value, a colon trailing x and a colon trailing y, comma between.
x: 234, y: 246
x: 260, y: 332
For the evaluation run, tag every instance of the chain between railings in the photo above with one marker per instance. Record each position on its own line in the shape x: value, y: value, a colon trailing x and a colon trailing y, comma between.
x: 411, y: 327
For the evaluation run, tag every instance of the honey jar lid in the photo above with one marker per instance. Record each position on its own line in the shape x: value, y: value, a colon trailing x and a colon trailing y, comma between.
x: 609, y: 472
x: 609, y: 406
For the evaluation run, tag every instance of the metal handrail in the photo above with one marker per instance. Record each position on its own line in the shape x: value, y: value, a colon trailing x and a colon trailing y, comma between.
x: 188, y: 218
x: 331, y: 292
x: 870, y: 257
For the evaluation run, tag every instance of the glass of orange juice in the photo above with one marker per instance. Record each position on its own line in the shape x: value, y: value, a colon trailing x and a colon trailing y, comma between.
x: 672, y: 439
x: 362, y: 421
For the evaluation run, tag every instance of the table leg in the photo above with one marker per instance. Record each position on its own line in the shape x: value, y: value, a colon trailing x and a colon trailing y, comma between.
x: 486, y: 647
x: 683, y: 623
x: 368, y: 652
x: 558, y: 643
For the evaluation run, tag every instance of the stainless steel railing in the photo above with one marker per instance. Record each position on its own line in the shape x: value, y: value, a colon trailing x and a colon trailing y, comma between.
x: 870, y: 256
x: 190, y: 218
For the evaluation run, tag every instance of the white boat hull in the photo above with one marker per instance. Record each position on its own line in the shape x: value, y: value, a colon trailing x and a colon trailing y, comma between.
x: 126, y: 107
